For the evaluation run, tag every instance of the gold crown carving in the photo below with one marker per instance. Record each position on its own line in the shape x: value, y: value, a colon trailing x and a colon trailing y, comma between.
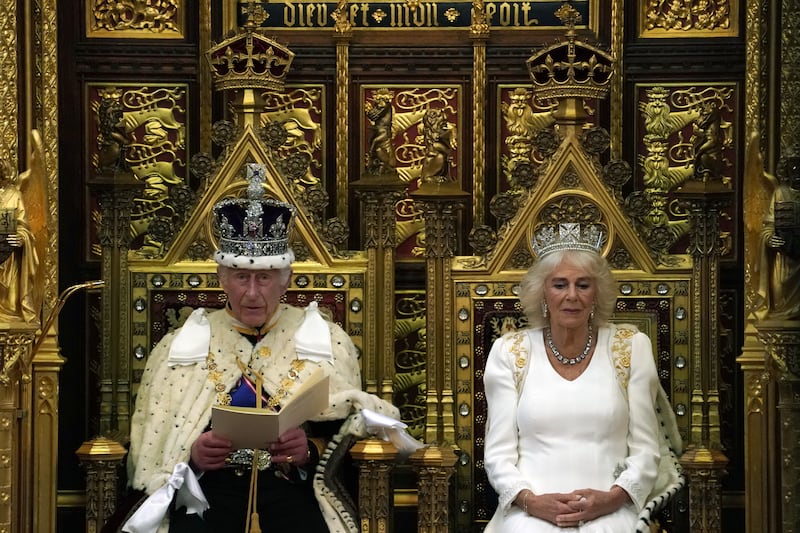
x: 250, y: 60
x: 549, y: 238
x: 571, y: 68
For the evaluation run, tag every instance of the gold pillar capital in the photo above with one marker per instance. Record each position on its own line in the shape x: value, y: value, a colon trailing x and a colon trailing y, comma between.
x: 700, y: 458
x: 373, y: 449
x: 434, y: 456
x: 100, y: 449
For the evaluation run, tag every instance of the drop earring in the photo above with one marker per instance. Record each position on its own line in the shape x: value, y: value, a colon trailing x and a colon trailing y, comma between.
x: 544, y: 309
x: 591, y: 315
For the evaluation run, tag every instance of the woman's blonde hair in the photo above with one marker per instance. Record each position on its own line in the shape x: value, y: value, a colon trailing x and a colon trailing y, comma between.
x: 595, y: 265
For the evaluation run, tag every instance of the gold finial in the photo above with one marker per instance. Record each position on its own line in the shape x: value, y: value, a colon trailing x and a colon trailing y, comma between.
x: 256, y: 15
x: 569, y: 16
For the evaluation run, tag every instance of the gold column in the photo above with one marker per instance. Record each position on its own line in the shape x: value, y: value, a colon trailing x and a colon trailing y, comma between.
x: 102, y: 459
x: 760, y: 474
x: 116, y: 195
x: 342, y: 35
x: 9, y: 88
x: 782, y: 340
x: 479, y: 32
x: 375, y: 459
x: 42, y: 113
x: 435, y: 463
x: 761, y: 478
x: 434, y: 467
x: 46, y: 365
x: 440, y: 204
x: 703, y: 460
x: 16, y: 433
x: 204, y: 74
x: 617, y: 90
x: 379, y: 195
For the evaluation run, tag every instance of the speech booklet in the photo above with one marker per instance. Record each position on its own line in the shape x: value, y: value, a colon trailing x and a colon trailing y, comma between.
x: 249, y: 427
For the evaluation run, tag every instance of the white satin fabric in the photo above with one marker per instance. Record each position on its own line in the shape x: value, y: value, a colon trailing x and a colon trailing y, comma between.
x: 313, y: 338
x: 149, y: 515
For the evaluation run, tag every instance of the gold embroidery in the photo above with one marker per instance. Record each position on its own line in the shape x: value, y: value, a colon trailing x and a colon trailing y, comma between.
x: 520, y: 354
x: 215, y: 377
x: 286, y: 383
x: 621, y: 355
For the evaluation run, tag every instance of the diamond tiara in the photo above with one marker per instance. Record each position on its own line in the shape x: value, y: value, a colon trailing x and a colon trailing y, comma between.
x: 549, y: 238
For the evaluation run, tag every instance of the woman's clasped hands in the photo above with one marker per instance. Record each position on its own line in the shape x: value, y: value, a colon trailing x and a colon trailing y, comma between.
x: 574, y: 508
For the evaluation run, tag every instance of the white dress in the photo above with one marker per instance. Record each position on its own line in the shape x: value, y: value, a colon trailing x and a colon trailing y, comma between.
x: 558, y: 435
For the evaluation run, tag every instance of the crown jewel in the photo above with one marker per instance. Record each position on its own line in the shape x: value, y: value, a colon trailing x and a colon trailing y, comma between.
x: 571, y: 68
x: 250, y: 60
x: 551, y: 238
x: 254, y: 231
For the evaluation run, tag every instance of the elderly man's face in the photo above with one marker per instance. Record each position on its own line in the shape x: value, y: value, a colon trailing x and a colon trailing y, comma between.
x: 253, y: 295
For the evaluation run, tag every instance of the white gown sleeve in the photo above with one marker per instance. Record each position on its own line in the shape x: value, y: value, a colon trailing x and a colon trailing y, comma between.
x: 502, y: 440
x: 641, y: 465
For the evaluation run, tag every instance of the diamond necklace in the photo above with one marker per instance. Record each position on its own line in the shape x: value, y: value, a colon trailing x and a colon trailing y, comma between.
x: 564, y: 360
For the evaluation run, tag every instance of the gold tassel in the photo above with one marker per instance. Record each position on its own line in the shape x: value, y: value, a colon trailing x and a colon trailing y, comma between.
x: 255, y: 527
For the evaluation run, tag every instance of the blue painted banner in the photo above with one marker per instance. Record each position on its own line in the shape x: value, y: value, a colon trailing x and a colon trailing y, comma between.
x: 398, y: 15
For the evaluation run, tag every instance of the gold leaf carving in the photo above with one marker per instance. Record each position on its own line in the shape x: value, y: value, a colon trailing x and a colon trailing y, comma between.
x: 134, y: 18
x: 685, y: 18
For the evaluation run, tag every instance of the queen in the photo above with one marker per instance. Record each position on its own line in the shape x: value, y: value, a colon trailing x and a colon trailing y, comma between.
x: 572, y: 436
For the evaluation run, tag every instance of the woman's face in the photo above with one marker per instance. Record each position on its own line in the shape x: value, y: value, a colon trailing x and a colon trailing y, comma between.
x: 569, y: 292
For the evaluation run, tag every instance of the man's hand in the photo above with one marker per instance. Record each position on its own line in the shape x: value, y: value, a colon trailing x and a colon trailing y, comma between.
x: 209, y: 452
x: 291, y: 447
